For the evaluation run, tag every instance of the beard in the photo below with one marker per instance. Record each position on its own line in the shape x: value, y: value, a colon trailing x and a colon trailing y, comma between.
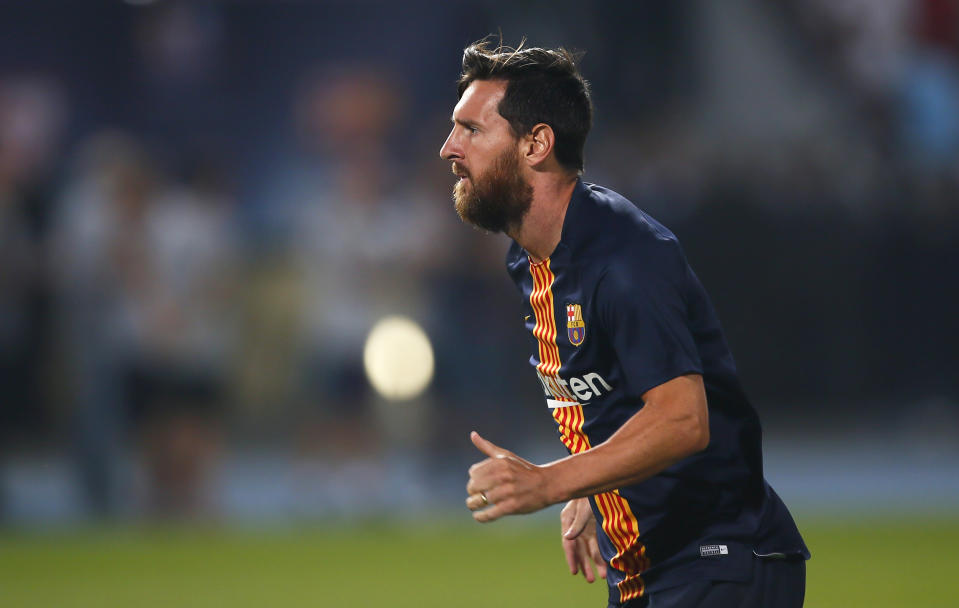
x: 498, y: 200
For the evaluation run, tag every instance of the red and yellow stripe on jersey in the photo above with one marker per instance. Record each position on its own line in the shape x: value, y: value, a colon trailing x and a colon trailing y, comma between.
x: 618, y: 523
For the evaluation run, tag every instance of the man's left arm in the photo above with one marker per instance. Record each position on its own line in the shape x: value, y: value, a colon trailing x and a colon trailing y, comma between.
x: 640, y: 303
x: 672, y: 425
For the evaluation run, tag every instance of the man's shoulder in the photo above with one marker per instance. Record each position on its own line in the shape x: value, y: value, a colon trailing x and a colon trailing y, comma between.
x: 603, y: 228
x: 605, y: 224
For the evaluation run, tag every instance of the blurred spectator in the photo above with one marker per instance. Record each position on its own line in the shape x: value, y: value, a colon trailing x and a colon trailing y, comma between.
x: 182, y: 100
x: 869, y: 38
x: 146, y: 271
x: 33, y: 110
x: 929, y: 98
x: 359, y: 241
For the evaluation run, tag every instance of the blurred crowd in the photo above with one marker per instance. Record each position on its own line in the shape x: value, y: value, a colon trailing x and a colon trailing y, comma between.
x: 204, y: 207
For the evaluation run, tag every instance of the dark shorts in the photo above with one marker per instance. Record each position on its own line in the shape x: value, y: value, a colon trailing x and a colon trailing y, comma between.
x: 775, y: 583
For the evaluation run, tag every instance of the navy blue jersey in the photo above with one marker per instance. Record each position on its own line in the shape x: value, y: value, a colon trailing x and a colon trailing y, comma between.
x: 613, y: 312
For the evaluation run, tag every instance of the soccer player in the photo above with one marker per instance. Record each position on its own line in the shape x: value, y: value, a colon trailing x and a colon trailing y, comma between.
x: 664, y: 486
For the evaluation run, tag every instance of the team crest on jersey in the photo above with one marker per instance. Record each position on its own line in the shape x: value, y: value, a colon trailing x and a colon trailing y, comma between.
x: 575, y: 326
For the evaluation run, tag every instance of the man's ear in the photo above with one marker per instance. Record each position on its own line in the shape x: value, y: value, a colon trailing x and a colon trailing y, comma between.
x: 538, y: 144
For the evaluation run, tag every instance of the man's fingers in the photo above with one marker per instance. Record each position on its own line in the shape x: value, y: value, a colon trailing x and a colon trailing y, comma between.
x: 581, y: 550
x: 588, y: 572
x: 572, y: 559
x: 593, y: 548
x: 511, y: 484
x: 581, y: 517
x: 475, y: 502
x: 566, y: 516
x: 487, y: 447
x: 494, y: 512
x: 584, y: 565
x: 578, y: 559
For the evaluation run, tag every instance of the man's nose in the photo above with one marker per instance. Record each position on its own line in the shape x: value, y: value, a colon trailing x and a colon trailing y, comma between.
x: 450, y: 150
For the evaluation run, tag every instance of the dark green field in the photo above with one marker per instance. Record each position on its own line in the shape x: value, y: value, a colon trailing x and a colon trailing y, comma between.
x: 869, y: 563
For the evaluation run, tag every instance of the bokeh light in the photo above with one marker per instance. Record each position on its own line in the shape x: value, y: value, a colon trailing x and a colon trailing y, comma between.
x: 398, y: 358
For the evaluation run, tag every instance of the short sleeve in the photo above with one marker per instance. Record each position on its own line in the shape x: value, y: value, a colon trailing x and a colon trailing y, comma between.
x: 641, y: 300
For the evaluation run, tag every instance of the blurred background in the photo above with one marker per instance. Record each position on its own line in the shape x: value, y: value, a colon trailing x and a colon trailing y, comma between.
x: 206, y: 206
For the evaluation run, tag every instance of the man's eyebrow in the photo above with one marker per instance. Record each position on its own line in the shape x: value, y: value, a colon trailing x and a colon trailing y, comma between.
x: 469, y: 124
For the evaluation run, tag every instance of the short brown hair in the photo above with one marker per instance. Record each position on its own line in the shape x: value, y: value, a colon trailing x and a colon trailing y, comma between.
x: 542, y: 86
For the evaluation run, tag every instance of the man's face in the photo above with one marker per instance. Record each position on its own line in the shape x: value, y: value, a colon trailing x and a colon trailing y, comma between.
x: 491, y: 193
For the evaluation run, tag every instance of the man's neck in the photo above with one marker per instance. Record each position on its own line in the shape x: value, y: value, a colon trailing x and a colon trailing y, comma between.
x: 542, y: 226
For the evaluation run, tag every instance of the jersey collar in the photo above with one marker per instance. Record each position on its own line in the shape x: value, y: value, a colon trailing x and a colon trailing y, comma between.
x: 576, y: 216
